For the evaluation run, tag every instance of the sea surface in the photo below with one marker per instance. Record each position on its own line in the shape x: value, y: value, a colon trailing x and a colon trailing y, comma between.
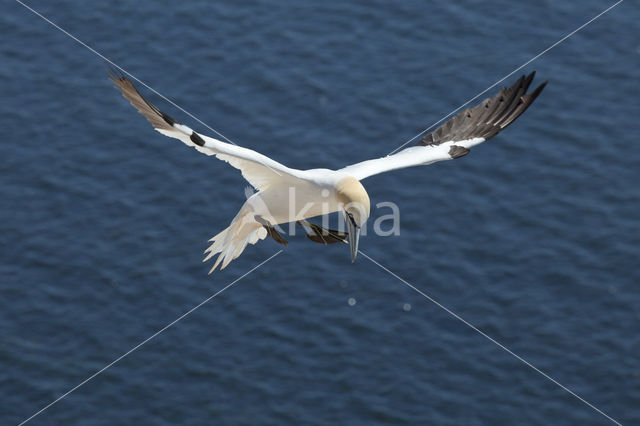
x: 533, y: 238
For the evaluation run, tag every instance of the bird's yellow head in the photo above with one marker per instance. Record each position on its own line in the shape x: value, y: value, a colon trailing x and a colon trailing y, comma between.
x: 356, y: 205
x: 354, y: 198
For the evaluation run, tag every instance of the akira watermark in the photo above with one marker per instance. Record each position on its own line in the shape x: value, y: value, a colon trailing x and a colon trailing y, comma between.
x: 383, y: 218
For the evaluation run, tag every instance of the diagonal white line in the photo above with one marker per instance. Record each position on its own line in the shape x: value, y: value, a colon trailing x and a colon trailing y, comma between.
x: 148, y: 339
x: 500, y: 345
x: 508, y: 75
x: 134, y: 77
x: 125, y: 71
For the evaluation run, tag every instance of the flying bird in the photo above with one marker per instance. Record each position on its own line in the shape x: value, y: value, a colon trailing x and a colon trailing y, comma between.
x: 282, y: 190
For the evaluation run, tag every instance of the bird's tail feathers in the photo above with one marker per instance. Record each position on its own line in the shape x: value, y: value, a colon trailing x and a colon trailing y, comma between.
x: 231, y: 242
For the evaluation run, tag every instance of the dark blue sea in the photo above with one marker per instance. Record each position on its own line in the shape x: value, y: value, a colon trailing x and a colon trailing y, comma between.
x: 533, y: 238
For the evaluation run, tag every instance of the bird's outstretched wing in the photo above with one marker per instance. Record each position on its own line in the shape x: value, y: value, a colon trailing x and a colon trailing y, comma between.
x: 259, y: 170
x: 455, y: 137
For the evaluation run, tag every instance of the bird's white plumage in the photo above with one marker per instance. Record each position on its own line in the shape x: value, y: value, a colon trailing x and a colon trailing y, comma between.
x: 286, y: 194
x: 259, y: 170
x: 408, y: 157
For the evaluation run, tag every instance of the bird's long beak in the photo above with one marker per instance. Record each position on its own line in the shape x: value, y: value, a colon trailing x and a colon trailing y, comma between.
x: 354, y: 236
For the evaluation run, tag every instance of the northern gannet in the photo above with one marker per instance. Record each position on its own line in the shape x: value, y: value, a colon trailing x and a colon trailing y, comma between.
x: 286, y: 195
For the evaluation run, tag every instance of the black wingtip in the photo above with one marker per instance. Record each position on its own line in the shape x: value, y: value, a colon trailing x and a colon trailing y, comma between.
x: 542, y: 86
x: 489, y: 117
x: 538, y: 90
x: 157, y: 118
x: 168, y: 119
x: 115, y: 74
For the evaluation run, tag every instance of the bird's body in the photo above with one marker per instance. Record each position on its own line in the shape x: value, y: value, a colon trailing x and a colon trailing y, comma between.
x: 314, y: 194
x: 288, y: 195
